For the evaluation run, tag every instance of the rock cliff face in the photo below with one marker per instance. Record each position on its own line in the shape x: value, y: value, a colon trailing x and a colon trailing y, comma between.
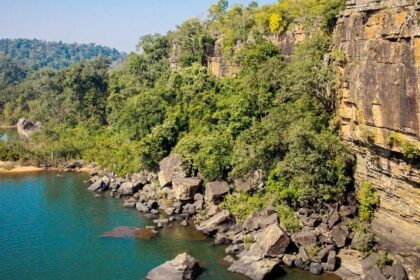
x: 380, y: 101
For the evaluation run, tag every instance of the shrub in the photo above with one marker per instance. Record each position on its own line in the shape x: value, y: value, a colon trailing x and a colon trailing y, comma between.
x: 384, y: 260
x: 369, y: 200
x: 363, y: 240
x: 241, y: 205
x: 288, y: 219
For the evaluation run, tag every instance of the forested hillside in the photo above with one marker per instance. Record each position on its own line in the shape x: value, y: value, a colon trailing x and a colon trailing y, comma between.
x: 275, y: 114
x: 35, y: 54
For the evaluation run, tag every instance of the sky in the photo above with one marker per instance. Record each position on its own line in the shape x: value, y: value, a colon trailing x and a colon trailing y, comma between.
x: 114, y: 23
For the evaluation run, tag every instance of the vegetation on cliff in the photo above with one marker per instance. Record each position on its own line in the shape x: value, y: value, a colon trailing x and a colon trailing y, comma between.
x: 275, y: 115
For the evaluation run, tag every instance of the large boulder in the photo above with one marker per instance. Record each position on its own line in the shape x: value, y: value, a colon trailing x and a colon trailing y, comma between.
x: 331, y: 261
x: 260, y: 219
x: 183, y: 267
x: 256, y: 269
x: 128, y: 188
x: 170, y: 168
x: 101, y: 185
x: 305, y: 238
x: 25, y: 127
x: 185, y: 188
x: 249, y: 182
x: 340, y: 234
x: 216, y: 190
x: 271, y: 242
x: 218, y: 222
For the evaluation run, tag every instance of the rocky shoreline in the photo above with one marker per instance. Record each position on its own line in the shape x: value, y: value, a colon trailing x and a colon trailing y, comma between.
x: 256, y: 247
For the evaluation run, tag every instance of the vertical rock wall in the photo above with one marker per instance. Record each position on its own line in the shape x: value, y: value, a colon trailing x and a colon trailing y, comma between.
x: 380, y: 99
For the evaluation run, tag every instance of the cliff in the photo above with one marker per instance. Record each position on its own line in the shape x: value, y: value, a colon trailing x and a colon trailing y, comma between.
x: 380, y: 105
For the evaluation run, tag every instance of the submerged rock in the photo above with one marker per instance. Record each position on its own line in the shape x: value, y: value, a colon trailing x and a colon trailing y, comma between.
x: 130, y: 232
x: 183, y: 267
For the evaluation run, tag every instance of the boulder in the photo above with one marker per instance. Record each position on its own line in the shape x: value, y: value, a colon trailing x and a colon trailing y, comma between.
x: 222, y: 238
x: 216, y: 190
x: 303, y: 255
x: 234, y: 249
x: 170, y: 168
x: 127, y: 188
x: 375, y: 274
x: 218, y: 222
x: 185, y: 188
x: 395, y: 272
x: 129, y: 204
x: 142, y: 208
x: 331, y: 261
x: 100, y: 185
x: 340, y: 234
x: 256, y: 269
x: 183, y: 267
x: 25, y: 127
x: 305, y: 238
x: 323, y: 253
x: 271, y: 242
x: 289, y: 259
x: 260, y: 219
x: 315, y: 268
x: 334, y: 219
x: 249, y: 182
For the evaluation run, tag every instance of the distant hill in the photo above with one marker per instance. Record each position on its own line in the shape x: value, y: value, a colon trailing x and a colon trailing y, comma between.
x: 35, y: 54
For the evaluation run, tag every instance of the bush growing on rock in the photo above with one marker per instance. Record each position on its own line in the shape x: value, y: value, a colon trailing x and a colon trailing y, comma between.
x: 369, y: 200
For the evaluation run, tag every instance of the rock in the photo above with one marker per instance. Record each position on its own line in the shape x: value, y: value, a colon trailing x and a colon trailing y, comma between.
x: 315, y: 268
x: 254, y: 268
x: 142, y: 208
x: 198, y: 197
x: 183, y: 267
x: 289, y: 259
x: 75, y: 164
x: 154, y: 211
x: 127, y: 188
x: 100, y: 185
x: 185, y: 188
x: 234, y: 249
x: 323, y: 253
x: 395, y: 272
x: 213, y: 209
x: 340, y: 234
x: 305, y: 238
x: 169, y: 211
x: 331, y: 261
x: 249, y: 182
x: 219, y: 221
x: 129, y: 204
x: 152, y: 204
x: 142, y: 178
x: 198, y: 204
x: 334, y: 219
x: 271, y: 242
x: 260, y: 219
x: 216, y: 190
x: 170, y: 168
x: 189, y: 209
x: 303, y: 255
x: 25, y: 127
x: 222, y: 238
x: 375, y: 274
x: 229, y: 259
x: 161, y: 221
x: 184, y: 223
x: 348, y: 211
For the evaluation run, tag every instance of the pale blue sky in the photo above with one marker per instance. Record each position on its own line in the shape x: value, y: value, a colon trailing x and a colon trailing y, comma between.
x: 114, y: 23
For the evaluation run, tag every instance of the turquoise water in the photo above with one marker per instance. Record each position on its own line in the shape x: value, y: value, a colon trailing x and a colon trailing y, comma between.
x: 50, y: 228
x: 7, y: 134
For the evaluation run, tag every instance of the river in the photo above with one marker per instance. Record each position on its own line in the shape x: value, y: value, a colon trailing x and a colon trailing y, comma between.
x: 51, y: 227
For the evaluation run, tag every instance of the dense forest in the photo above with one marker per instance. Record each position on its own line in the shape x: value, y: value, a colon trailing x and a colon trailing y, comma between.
x: 35, y: 54
x: 274, y: 115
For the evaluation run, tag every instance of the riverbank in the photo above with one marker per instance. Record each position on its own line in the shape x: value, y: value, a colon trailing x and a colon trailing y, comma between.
x: 13, y: 167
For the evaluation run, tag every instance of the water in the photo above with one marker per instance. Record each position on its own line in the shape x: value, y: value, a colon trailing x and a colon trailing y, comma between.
x: 7, y: 134
x: 50, y: 228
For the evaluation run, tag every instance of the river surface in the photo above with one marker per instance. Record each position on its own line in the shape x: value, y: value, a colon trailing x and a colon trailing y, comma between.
x: 51, y: 227
x: 7, y: 134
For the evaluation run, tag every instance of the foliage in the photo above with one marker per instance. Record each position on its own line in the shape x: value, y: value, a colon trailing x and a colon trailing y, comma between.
x: 369, y: 200
x: 363, y: 240
x: 384, y: 260
x: 35, y: 54
x: 288, y: 219
x: 408, y: 149
x: 241, y: 205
